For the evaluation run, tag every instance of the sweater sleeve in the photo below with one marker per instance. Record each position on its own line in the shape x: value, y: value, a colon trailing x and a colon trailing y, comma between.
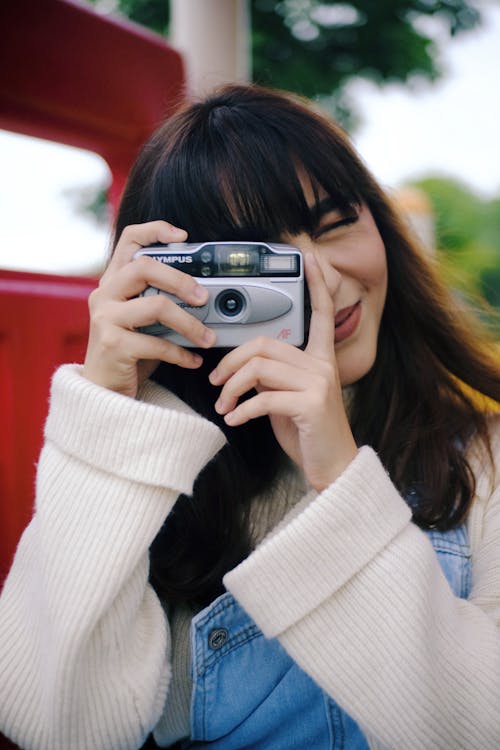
x: 84, y: 642
x: 354, y: 592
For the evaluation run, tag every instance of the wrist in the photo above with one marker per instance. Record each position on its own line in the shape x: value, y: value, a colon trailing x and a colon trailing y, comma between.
x: 336, y: 467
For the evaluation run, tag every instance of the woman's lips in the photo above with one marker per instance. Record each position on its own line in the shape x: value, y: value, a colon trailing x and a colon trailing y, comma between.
x: 346, y: 322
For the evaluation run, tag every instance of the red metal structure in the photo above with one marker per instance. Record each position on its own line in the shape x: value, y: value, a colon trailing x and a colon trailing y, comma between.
x: 70, y: 75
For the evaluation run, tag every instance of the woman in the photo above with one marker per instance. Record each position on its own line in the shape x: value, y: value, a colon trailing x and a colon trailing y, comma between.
x: 271, y: 546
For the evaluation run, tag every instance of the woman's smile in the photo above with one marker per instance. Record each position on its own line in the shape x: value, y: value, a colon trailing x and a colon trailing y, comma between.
x: 347, y: 321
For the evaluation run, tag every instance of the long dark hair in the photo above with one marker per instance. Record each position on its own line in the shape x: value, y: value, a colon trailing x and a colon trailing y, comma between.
x: 226, y: 168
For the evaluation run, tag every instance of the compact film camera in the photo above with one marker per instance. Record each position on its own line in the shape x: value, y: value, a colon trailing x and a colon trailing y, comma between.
x: 255, y: 288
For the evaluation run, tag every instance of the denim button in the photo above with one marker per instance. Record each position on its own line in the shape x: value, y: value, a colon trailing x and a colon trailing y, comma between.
x: 217, y: 638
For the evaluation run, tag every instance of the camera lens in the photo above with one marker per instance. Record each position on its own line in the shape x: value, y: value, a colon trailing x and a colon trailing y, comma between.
x: 230, y: 303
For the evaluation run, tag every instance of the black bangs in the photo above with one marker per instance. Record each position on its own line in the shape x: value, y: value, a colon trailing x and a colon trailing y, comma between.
x: 232, y: 181
x: 230, y: 170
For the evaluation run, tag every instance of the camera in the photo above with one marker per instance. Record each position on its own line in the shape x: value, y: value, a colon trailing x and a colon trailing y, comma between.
x: 255, y: 288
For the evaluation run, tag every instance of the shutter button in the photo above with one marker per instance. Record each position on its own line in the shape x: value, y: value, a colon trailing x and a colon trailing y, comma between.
x: 217, y: 638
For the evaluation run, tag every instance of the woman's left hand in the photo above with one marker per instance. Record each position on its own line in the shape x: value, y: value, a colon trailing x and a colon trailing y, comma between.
x: 299, y: 390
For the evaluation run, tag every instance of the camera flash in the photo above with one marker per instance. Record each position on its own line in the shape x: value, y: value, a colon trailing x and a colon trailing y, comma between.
x: 279, y: 263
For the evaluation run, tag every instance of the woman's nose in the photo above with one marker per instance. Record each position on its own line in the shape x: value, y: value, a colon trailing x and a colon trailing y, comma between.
x: 333, y: 277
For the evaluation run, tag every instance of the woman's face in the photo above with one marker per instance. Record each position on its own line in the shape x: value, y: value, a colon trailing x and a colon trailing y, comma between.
x: 350, y: 251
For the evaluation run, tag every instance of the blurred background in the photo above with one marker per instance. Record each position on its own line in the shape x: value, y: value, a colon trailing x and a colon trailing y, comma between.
x: 415, y: 82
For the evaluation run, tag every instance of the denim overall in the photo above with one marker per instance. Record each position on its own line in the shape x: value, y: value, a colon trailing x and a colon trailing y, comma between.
x: 247, y: 691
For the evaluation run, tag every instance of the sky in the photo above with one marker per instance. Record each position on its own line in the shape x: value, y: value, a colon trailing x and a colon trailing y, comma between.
x: 450, y: 128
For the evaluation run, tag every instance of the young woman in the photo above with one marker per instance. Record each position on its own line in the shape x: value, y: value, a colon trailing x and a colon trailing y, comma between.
x: 272, y: 546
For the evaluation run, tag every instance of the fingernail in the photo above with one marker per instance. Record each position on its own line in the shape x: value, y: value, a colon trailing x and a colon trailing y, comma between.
x: 219, y: 406
x: 213, y: 377
x: 209, y: 337
x: 178, y: 230
x: 200, y: 292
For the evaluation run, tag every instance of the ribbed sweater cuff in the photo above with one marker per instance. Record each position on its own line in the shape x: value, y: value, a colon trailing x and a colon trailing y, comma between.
x: 165, y: 445
x: 292, y: 572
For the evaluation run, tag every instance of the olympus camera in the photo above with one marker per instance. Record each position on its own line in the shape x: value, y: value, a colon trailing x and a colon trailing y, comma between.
x: 255, y: 288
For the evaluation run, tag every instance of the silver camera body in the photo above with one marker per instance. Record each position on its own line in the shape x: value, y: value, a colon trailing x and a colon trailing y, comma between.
x: 255, y: 288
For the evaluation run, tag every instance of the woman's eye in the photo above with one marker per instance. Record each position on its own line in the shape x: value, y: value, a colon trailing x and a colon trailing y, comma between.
x: 328, y: 226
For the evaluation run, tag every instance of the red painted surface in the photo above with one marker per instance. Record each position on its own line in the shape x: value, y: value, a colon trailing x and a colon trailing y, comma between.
x: 71, y: 75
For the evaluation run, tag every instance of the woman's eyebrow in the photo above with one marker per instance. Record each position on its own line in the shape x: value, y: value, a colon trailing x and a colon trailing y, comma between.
x: 324, y: 206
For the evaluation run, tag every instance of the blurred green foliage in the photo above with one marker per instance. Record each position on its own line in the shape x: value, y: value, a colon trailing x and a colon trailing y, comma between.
x: 468, y: 240
x: 316, y: 47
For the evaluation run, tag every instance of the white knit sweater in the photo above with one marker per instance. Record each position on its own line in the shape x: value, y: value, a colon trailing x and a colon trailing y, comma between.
x: 348, y: 584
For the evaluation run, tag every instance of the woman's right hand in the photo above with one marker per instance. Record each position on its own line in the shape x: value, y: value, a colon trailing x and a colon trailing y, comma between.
x: 118, y: 356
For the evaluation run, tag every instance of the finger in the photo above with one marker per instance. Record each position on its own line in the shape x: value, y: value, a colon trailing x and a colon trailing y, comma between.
x: 261, y: 373
x: 143, y: 311
x: 141, y: 346
x: 133, y: 278
x: 136, y: 236
x: 264, y: 347
x: 266, y: 403
x: 321, y: 339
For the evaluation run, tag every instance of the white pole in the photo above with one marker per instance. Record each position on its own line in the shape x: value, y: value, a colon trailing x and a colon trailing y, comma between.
x: 214, y: 38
